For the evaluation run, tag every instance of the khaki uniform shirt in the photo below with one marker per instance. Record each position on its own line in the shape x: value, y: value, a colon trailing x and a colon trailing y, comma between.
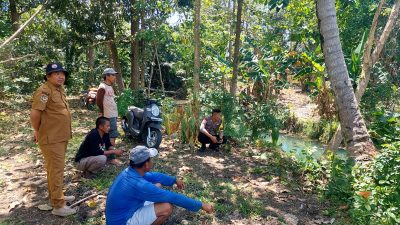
x: 55, y: 121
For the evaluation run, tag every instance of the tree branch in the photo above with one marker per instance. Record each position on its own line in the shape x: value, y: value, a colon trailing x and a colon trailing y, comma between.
x: 29, y: 21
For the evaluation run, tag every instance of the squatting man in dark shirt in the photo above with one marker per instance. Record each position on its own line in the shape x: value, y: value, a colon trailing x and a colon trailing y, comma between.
x: 211, y: 131
x: 92, y: 154
x: 136, y: 196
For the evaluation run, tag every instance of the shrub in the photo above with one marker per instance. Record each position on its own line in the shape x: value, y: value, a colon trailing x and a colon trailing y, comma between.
x: 377, y: 189
x: 322, y: 130
x: 266, y: 117
x: 128, y: 98
x: 384, y: 127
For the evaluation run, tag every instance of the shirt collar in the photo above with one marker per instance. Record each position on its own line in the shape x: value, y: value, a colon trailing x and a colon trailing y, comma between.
x: 53, y: 87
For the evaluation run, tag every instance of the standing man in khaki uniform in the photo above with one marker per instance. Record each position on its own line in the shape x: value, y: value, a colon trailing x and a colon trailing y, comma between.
x: 51, y: 120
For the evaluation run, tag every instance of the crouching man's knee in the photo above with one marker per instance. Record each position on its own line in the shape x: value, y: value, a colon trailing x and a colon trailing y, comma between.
x: 163, y: 209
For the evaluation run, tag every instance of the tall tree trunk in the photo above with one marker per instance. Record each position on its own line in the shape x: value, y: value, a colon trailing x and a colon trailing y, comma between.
x: 357, y: 139
x: 90, y: 59
x: 116, y: 65
x: 14, y: 15
x: 151, y: 72
x: 369, y: 59
x: 236, y: 60
x: 231, y: 26
x: 231, y: 16
x: 142, y: 50
x: 134, y: 46
x: 159, y: 70
x: 196, y: 72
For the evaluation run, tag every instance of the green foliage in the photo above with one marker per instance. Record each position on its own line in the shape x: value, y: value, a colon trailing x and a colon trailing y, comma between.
x: 339, y: 188
x: 382, y: 181
x: 385, y: 127
x: 189, y: 126
x: 382, y: 92
x: 264, y: 118
x: 330, y: 176
x: 322, y: 130
x: 170, y: 115
x: 128, y: 98
x: 354, y: 62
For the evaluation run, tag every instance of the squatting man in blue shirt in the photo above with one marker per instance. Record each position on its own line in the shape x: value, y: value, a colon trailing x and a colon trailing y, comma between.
x: 136, y: 196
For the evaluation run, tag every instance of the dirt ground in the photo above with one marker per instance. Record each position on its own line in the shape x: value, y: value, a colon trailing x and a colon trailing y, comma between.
x: 247, y: 185
x: 298, y: 103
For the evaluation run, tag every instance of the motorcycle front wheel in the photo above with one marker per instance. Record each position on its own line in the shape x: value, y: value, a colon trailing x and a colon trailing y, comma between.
x: 154, y: 140
x: 82, y: 101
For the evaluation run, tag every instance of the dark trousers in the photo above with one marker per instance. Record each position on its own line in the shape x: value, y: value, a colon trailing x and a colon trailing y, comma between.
x: 203, y: 139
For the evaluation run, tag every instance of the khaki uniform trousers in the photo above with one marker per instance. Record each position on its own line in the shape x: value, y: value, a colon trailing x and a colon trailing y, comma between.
x: 54, y: 157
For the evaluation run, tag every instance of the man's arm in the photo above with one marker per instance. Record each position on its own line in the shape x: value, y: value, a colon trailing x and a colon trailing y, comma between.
x: 150, y: 192
x: 113, y: 151
x: 35, y: 117
x: 99, y: 99
x: 155, y: 177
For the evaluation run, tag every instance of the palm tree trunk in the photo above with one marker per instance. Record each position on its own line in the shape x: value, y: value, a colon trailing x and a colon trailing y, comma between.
x: 369, y: 59
x: 357, y: 139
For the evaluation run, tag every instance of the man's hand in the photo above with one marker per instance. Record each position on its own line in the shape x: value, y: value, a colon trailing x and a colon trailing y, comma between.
x: 207, y: 207
x: 158, y: 185
x: 118, y: 152
x: 35, y: 136
x: 213, y: 139
x: 179, y: 184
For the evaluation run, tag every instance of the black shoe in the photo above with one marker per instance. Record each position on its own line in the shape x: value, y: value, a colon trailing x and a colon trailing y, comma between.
x: 214, y: 147
x: 202, y: 149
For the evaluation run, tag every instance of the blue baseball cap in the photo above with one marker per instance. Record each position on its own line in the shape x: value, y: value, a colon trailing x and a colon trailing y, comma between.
x: 55, y: 67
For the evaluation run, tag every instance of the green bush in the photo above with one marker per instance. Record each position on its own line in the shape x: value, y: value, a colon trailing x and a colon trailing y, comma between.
x: 130, y: 98
x: 381, y: 180
x: 322, y: 130
x: 266, y: 117
x: 384, y: 127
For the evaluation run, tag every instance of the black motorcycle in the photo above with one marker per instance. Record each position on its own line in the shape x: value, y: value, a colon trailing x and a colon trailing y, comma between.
x: 144, y: 123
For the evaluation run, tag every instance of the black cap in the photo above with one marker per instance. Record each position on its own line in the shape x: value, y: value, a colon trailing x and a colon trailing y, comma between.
x: 55, y: 67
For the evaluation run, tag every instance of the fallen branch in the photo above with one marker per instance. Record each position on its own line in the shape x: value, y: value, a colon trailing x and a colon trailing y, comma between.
x: 18, y: 58
x: 84, y: 199
x: 29, y: 21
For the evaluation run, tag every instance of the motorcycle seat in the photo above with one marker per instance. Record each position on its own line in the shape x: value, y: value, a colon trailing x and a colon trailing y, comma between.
x: 137, y: 112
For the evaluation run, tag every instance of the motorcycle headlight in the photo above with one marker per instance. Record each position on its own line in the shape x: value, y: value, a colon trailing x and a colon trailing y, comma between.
x: 155, y: 110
